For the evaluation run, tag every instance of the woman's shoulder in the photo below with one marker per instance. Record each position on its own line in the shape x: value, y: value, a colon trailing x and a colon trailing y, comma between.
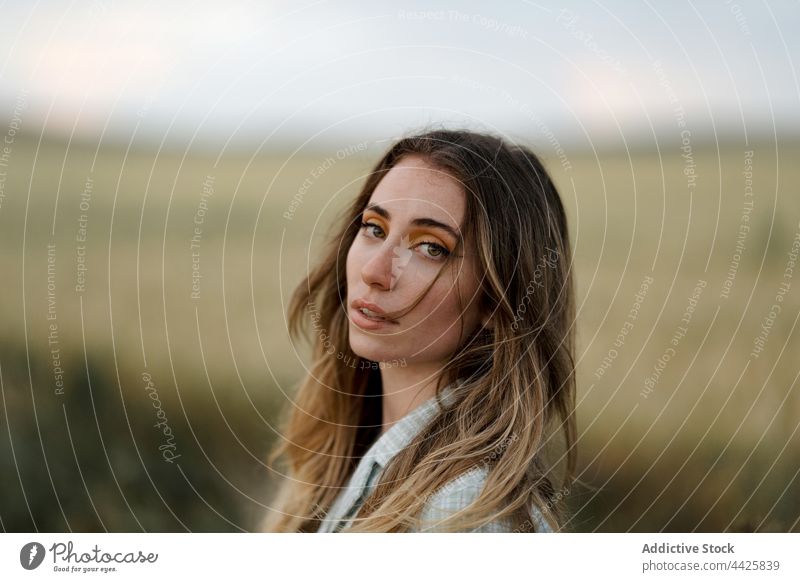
x: 460, y: 492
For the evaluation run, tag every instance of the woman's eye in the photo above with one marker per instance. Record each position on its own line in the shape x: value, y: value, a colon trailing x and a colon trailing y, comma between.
x: 369, y: 225
x: 435, y: 251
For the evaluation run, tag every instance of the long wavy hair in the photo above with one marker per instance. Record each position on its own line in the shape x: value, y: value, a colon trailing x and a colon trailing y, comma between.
x: 515, y: 395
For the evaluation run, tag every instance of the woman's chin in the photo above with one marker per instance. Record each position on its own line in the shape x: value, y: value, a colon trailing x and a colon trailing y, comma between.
x: 375, y: 350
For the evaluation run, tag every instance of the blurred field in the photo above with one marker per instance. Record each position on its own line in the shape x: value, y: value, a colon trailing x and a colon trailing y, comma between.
x: 713, y: 446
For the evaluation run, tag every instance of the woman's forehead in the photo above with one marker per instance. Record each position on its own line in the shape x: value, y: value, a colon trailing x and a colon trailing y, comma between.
x: 414, y: 189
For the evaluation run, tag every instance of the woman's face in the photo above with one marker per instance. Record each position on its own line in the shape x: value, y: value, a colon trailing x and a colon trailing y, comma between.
x: 413, y: 218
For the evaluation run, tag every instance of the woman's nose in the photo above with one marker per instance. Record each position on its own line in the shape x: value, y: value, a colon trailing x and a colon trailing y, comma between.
x: 377, y: 270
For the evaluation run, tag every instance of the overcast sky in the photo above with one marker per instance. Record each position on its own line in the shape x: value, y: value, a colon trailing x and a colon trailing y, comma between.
x: 321, y: 72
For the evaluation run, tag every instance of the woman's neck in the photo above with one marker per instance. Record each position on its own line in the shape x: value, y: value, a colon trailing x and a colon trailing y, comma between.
x: 404, y: 389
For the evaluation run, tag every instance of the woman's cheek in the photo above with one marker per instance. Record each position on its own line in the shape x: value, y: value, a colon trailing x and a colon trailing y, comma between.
x: 352, y: 262
x: 439, y: 313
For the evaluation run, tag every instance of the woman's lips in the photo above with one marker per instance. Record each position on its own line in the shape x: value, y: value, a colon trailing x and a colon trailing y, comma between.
x: 365, y: 322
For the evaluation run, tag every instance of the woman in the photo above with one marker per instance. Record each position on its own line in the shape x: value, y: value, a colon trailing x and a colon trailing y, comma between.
x: 443, y: 361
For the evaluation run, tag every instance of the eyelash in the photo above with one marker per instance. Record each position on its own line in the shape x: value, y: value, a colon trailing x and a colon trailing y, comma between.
x: 444, y: 252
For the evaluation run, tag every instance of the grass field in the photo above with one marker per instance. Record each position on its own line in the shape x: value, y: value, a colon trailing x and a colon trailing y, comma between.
x: 708, y: 440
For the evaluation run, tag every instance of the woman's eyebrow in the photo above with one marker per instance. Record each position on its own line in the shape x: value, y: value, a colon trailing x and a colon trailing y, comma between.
x: 381, y: 211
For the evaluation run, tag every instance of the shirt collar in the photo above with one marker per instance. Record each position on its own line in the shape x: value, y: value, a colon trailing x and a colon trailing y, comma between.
x: 404, y: 430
